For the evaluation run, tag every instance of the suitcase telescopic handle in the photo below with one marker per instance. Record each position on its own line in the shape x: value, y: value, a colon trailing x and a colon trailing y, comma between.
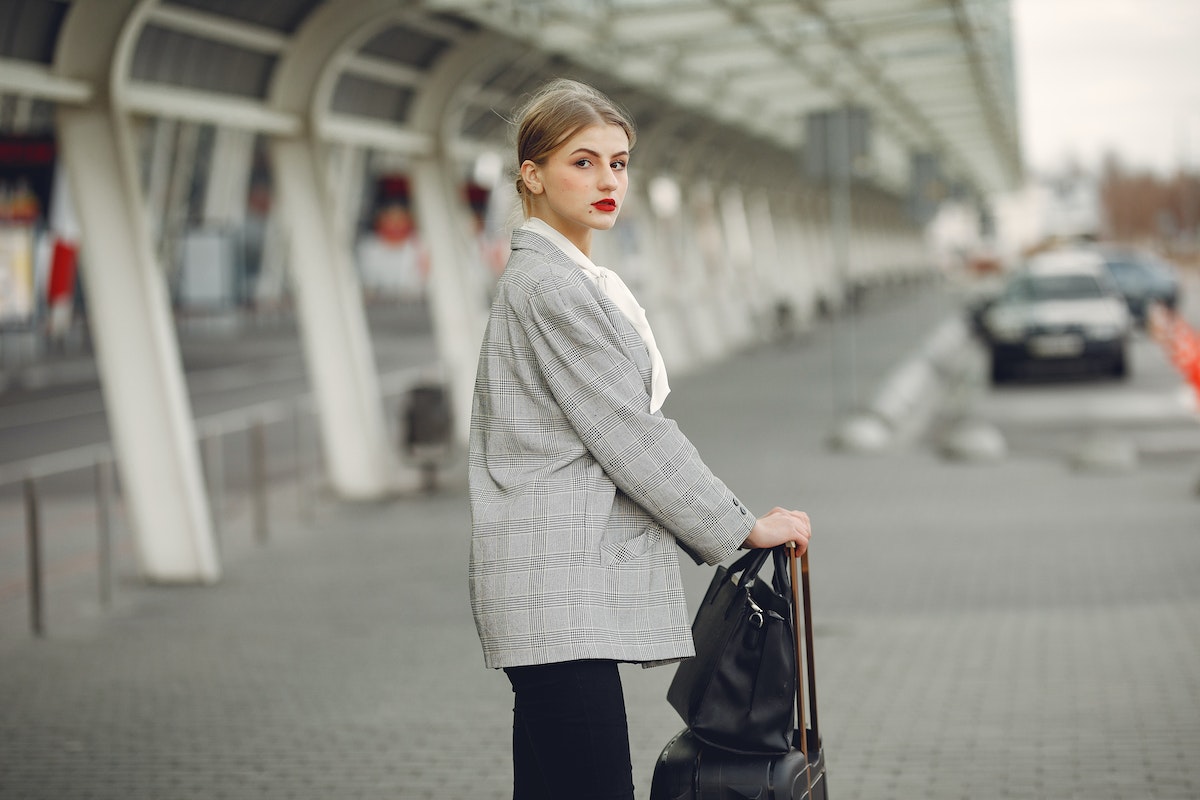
x: 808, y: 644
x: 796, y: 608
x: 800, y: 724
x: 802, y: 604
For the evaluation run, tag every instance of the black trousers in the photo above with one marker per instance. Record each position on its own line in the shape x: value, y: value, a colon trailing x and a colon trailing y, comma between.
x: 570, y: 733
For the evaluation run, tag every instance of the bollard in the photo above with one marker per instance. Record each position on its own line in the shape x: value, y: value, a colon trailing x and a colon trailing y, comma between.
x: 303, y: 498
x: 34, y: 546
x: 258, y: 466
x: 104, y: 535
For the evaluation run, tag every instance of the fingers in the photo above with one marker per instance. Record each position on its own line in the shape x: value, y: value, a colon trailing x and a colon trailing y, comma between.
x: 802, y: 530
x: 781, y: 526
x: 799, y: 520
x: 799, y: 516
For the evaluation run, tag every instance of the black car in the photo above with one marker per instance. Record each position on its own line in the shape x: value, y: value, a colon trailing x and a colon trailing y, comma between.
x: 1143, y: 280
x: 1061, y: 312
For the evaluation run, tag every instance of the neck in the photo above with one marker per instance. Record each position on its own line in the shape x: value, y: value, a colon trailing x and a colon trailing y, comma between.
x: 583, y: 241
x: 579, y: 236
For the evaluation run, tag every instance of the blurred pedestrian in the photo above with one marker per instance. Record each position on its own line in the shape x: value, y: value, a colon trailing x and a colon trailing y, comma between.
x: 580, y: 487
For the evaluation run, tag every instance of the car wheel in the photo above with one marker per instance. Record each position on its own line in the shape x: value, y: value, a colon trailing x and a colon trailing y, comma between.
x: 1120, y: 367
x: 1001, y: 370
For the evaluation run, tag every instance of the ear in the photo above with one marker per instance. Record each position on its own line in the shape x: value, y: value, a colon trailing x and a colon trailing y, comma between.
x: 531, y: 174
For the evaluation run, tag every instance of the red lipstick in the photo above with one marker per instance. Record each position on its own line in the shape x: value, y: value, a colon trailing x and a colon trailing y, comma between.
x: 607, y: 205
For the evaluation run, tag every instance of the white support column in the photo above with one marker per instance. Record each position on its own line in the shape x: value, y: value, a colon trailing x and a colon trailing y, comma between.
x: 454, y: 288
x: 739, y: 274
x: 791, y: 258
x: 158, y: 175
x: 709, y: 284
x: 359, y: 455
x: 818, y: 235
x: 664, y: 301
x: 876, y: 258
x: 346, y: 170
x: 140, y: 367
x: 358, y: 452
x: 799, y: 264
x: 694, y: 293
x: 458, y: 314
x: 662, y: 236
x: 229, y: 177
x: 179, y: 183
x: 767, y: 268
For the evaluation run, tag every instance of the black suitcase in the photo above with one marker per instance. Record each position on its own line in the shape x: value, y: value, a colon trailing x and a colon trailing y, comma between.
x: 691, y: 770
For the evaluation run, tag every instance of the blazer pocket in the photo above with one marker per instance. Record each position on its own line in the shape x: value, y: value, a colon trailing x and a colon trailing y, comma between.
x: 615, y: 553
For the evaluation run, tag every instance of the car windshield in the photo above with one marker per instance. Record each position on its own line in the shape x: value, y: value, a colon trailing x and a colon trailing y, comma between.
x: 1055, y: 287
x: 1146, y: 266
x: 1129, y: 274
x: 1157, y: 271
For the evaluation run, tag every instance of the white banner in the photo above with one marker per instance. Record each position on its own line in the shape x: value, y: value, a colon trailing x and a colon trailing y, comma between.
x: 16, y: 273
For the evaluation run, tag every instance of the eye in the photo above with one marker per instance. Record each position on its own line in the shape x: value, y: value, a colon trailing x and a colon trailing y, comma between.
x: 583, y: 162
x: 618, y: 165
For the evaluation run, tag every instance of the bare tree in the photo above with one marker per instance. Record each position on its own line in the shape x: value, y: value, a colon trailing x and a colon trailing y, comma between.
x: 1140, y: 206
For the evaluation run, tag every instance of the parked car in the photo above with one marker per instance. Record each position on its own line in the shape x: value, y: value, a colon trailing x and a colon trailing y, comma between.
x: 1060, y: 312
x: 1143, y: 279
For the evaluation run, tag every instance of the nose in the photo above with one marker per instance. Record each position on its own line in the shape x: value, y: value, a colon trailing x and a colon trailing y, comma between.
x: 608, y: 178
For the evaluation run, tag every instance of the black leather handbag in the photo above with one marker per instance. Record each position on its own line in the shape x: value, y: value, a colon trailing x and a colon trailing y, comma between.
x: 739, y: 692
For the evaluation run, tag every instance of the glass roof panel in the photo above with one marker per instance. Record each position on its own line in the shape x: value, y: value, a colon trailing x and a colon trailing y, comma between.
x: 282, y: 15
x: 406, y: 46
x: 29, y: 29
x: 180, y: 59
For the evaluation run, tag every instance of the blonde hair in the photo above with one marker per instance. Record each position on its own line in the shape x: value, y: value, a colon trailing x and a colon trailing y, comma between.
x: 554, y: 114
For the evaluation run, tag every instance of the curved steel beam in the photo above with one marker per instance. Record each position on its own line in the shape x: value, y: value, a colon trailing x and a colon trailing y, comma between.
x: 140, y: 366
x: 456, y: 292
x: 337, y: 344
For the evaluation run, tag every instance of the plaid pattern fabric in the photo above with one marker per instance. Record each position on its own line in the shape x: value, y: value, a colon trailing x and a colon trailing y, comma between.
x: 579, y: 493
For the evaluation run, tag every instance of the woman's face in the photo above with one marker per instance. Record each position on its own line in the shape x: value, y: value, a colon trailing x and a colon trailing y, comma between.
x: 582, y: 184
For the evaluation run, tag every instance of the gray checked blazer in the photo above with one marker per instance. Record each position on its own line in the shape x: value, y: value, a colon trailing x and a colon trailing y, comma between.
x: 579, y: 494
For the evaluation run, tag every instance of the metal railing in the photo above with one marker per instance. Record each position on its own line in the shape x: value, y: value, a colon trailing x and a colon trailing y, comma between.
x: 278, y: 444
x: 28, y: 475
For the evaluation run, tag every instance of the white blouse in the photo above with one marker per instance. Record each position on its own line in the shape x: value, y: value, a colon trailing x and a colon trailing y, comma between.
x: 611, y: 284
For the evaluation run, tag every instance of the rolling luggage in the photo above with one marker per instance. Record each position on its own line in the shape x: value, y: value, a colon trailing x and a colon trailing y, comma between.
x: 688, y: 769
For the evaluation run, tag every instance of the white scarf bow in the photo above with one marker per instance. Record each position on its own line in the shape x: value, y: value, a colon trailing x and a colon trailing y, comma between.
x: 611, y: 284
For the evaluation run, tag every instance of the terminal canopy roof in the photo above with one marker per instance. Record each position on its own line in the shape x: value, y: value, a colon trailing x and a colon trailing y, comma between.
x: 935, y: 77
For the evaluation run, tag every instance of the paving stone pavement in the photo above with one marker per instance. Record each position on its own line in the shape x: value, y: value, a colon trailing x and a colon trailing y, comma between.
x: 1009, y: 629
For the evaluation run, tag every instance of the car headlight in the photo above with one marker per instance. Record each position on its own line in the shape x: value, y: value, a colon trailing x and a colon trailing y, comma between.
x: 1005, y: 326
x: 1103, y: 331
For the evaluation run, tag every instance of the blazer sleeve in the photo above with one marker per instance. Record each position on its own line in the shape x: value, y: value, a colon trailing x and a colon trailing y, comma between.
x: 599, y: 388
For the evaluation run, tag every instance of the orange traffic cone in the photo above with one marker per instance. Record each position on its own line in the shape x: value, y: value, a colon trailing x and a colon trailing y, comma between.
x: 1180, y: 342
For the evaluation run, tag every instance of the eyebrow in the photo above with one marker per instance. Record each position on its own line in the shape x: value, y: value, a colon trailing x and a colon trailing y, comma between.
x: 592, y: 152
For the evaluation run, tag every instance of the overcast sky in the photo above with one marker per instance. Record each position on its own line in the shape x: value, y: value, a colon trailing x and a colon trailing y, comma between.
x: 1109, y: 75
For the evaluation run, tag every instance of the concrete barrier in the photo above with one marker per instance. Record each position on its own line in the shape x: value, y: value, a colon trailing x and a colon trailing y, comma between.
x: 910, y: 395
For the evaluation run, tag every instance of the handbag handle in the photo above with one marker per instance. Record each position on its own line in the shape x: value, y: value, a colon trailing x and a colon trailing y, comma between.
x: 749, y: 564
x: 780, y: 579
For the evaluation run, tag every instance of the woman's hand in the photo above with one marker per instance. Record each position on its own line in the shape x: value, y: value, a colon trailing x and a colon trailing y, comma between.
x: 779, y: 527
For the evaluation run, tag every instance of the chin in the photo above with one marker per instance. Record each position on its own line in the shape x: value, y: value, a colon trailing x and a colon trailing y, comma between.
x: 603, y: 223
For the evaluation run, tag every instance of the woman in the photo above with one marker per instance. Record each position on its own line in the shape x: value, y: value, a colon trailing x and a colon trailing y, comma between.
x: 580, y: 487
